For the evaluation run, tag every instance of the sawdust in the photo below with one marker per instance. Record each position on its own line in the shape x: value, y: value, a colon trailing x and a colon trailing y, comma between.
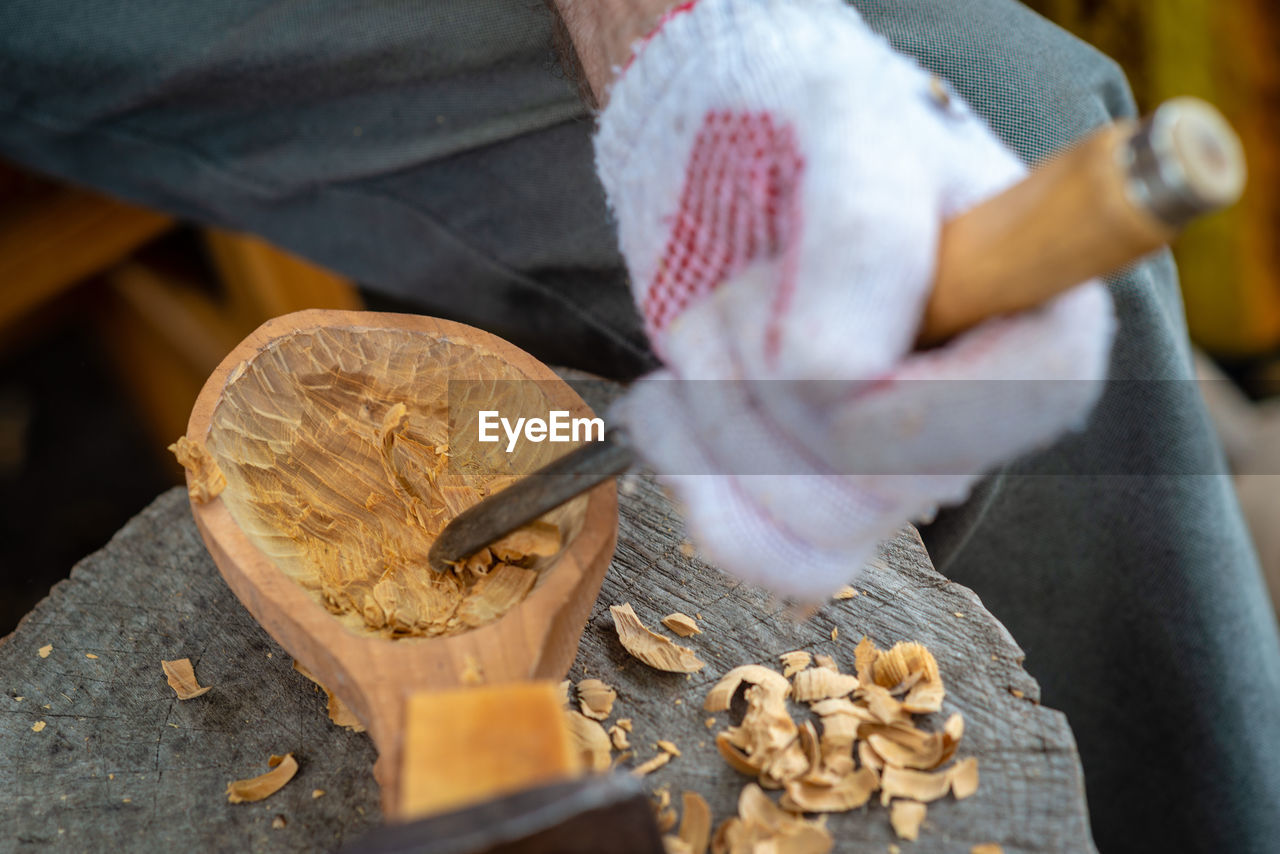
x: 264, y: 785
x: 38, y: 726
x: 181, y: 677
x: 653, y: 649
x: 986, y: 848
x: 45, y: 650
x: 681, y: 624
x: 845, y: 592
x: 206, y: 480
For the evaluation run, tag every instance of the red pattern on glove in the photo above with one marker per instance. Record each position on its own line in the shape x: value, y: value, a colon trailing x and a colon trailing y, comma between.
x: 740, y: 203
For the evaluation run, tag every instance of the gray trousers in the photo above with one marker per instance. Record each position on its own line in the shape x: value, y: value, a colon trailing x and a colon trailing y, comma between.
x: 429, y: 150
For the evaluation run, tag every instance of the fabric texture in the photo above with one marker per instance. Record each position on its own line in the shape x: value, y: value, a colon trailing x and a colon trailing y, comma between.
x: 779, y: 175
x: 1116, y: 558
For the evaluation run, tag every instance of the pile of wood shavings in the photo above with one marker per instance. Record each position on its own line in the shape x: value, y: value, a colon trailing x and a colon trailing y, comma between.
x: 867, y: 743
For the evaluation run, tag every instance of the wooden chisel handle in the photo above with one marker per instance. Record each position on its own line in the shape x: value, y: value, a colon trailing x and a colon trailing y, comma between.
x: 1118, y: 195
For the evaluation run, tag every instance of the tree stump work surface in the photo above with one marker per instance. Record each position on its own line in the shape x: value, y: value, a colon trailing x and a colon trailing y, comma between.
x: 120, y: 763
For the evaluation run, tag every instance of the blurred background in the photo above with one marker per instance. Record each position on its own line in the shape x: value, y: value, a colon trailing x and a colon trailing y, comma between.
x: 111, y: 316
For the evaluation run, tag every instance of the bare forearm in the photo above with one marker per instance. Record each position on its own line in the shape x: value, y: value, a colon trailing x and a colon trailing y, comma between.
x: 603, y: 32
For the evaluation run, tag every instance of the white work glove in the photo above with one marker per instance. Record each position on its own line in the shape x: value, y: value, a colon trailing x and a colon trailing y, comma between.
x: 779, y: 176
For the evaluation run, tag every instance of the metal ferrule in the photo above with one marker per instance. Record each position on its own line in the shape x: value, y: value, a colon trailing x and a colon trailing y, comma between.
x: 1155, y: 178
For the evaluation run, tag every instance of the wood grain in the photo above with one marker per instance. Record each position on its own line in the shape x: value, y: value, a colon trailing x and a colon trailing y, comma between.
x: 374, y: 676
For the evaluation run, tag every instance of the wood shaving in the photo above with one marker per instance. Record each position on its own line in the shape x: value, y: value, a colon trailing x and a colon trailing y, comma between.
x: 664, y: 813
x: 882, y: 705
x: 902, y: 660
x: 719, y: 697
x: 564, y: 692
x: 835, y: 633
x: 625, y: 723
x: 986, y: 848
x: 794, y: 662
x: 494, y: 594
x: 38, y: 726
x: 668, y: 746
x: 914, y: 785
x: 695, y: 823
x: 868, y: 756
x: 90, y: 655
x: 653, y: 649
x: 264, y: 785
x: 44, y: 651
x: 845, y: 592
x: 821, y: 659
x: 864, y: 658
x: 924, y: 698
x: 681, y: 624
x: 906, y: 818
x: 317, y: 793
x: 181, y: 677
x: 339, y: 712
x: 537, y: 539
x: 735, y: 758
x: 590, y: 739
x: 762, y: 826
x: 206, y: 480
x: 596, y: 699
x: 660, y: 759
x: 851, y: 792
x: 820, y: 683
x: 479, y: 563
x: 618, y: 736
x: 964, y: 778
x: 709, y: 722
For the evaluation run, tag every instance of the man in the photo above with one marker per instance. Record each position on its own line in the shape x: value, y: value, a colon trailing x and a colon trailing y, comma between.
x: 429, y: 151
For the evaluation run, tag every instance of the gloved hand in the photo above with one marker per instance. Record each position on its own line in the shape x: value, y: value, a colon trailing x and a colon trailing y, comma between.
x: 779, y: 176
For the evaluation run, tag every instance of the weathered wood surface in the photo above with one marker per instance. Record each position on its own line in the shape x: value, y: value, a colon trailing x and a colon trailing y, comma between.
x: 122, y: 764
